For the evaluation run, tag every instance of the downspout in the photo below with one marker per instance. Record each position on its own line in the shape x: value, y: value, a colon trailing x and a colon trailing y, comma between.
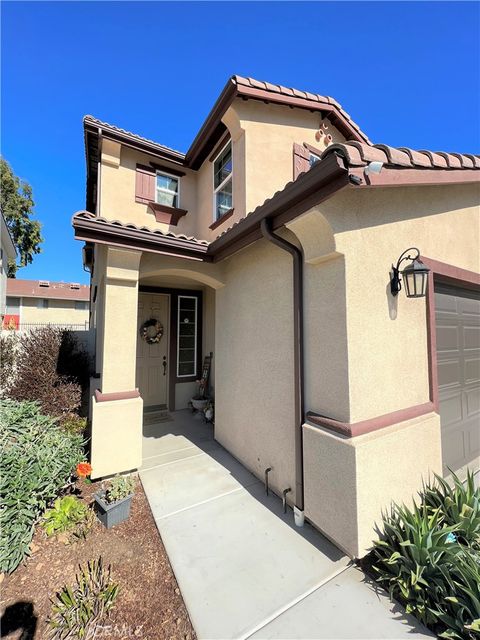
x: 298, y: 368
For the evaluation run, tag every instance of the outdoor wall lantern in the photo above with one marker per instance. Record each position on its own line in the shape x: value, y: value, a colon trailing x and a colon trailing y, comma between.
x: 415, y: 275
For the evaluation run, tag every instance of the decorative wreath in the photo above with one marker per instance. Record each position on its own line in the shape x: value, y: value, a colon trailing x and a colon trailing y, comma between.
x: 151, y: 331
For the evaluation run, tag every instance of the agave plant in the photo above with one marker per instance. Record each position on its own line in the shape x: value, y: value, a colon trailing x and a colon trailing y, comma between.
x: 422, y: 562
x: 457, y: 503
x: 408, y: 557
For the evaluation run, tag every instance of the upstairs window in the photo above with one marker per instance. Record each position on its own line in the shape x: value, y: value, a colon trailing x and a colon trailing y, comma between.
x: 168, y: 190
x: 80, y: 305
x: 42, y: 303
x: 222, y: 182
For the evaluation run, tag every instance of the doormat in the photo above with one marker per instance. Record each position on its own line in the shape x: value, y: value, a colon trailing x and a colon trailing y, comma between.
x: 154, y: 417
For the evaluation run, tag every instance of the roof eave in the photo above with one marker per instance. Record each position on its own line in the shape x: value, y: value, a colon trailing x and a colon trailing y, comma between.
x: 103, y: 232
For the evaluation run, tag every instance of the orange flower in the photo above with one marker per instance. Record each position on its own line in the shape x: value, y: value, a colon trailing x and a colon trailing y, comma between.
x: 84, y: 469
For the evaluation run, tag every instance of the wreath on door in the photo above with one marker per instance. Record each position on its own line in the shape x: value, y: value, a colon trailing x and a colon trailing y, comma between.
x: 151, y: 331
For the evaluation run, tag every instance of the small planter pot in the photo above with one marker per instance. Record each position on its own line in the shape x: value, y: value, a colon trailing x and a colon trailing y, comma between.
x: 112, y: 513
x: 199, y: 403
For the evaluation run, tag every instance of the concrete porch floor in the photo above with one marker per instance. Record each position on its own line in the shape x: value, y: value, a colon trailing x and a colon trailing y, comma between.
x: 244, y: 569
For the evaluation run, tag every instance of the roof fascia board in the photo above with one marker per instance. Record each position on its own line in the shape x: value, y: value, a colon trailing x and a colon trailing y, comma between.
x: 302, y: 103
x: 390, y: 177
x: 196, y: 154
x: 107, y: 233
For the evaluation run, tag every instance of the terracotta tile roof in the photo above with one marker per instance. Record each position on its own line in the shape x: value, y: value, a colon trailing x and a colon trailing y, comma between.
x: 52, y: 290
x: 97, y: 220
x: 358, y: 154
x: 296, y: 93
x: 123, y: 132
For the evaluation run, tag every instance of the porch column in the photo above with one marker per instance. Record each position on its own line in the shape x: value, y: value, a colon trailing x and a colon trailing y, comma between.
x: 117, y: 408
x: 120, y: 320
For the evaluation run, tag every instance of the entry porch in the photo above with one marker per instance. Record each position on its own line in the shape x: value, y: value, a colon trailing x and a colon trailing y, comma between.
x: 155, y: 322
x: 244, y: 569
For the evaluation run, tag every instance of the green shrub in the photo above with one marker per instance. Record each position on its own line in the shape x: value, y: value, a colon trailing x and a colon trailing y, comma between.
x: 119, y: 487
x: 420, y: 559
x: 51, y: 369
x: 458, y: 505
x: 37, y: 458
x: 74, y: 424
x: 76, y: 609
x: 67, y: 513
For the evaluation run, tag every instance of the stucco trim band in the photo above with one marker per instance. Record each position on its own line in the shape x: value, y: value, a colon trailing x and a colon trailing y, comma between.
x: 353, y: 429
x: 117, y: 395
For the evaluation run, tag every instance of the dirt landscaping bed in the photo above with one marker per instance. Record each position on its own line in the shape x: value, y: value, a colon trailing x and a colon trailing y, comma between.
x: 149, y: 604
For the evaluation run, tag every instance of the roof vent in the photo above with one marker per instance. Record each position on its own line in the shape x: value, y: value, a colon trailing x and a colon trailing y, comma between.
x: 43, y: 283
x: 74, y: 285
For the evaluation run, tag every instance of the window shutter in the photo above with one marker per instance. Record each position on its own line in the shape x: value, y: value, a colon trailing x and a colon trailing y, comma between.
x: 144, y: 184
x: 301, y: 160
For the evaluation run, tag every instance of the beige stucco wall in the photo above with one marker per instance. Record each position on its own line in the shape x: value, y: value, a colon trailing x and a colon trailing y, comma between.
x: 58, y: 312
x: 350, y: 243
x: 117, y: 190
x: 116, y: 436
x: 270, y: 131
x: 350, y: 481
x: 262, y: 150
x: 254, y: 363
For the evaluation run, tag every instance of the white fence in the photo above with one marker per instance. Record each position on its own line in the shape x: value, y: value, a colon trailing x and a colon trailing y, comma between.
x: 82, y: 332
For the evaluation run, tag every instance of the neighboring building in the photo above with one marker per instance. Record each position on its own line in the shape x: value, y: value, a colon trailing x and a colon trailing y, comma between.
x: 270, y: 243
x: 35, y: 303
x: 7, y: 252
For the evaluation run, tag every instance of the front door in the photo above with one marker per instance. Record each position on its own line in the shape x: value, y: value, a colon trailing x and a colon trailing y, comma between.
x: 152, y: 359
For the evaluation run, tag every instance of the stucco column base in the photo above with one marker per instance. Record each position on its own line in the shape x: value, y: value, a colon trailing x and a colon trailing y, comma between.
x: 350, y: 481
x: 116, y: 436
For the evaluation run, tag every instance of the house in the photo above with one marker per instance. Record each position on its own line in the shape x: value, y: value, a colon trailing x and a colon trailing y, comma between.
x: 36, y: 303
x: 274, y: 243
x: 7, y: 253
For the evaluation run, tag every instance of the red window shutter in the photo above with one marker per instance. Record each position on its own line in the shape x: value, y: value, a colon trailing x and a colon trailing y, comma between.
x: 301, y: 160
x: 144, y: 184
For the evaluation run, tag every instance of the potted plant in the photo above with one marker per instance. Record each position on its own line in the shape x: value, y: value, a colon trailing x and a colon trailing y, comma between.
x: 199, y: 401
x: 113, y: 501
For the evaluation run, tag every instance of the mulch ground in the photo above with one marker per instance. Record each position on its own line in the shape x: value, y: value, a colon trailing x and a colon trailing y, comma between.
x: 149, y: 604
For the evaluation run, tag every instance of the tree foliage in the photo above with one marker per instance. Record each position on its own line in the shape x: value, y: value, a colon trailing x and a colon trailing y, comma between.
x: 16, y: 204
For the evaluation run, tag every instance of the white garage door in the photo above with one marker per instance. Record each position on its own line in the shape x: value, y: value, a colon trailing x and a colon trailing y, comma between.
x: 457, y: 314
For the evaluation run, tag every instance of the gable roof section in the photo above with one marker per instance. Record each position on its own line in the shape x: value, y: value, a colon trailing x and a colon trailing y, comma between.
x: 249, y: 88
x: 54, y: 291
x: 213, y: 128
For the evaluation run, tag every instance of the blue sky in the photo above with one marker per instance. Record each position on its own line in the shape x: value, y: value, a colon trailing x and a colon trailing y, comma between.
x: 408, y: 74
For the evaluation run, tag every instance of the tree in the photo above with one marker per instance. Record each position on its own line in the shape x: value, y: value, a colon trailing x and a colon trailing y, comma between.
x: 16, y: 204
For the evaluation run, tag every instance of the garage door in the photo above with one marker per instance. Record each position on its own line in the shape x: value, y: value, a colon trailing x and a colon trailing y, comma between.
x: 458, y: 359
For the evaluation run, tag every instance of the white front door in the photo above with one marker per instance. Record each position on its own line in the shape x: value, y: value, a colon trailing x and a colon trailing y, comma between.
x: 152, y: 359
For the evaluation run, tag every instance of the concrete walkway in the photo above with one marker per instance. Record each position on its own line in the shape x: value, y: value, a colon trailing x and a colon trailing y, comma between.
x: 244, y: 569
